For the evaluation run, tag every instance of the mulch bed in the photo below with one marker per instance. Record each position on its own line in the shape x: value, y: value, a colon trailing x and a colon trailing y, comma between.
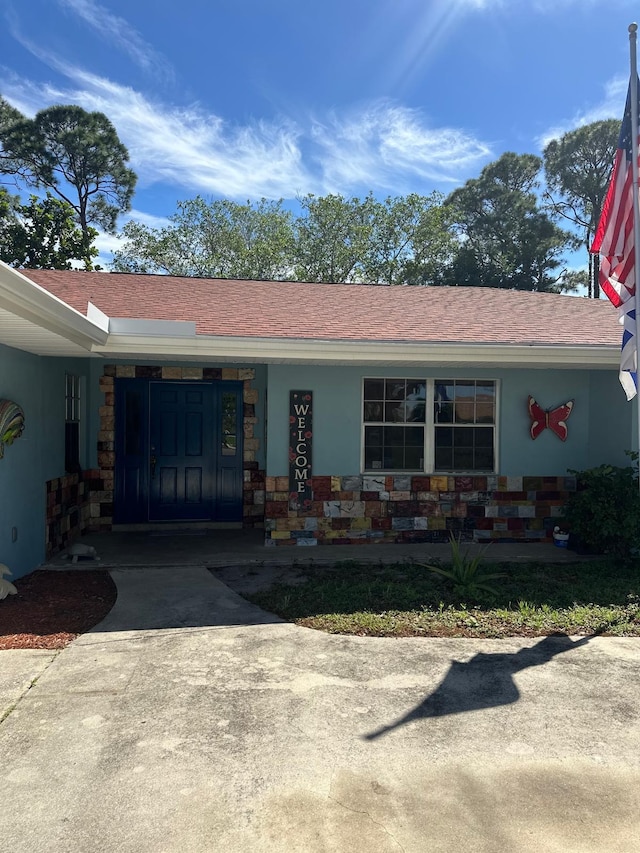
x: 53, y: 608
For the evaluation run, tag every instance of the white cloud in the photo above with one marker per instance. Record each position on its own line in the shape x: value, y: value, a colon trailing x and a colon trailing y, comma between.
x: 183, y: 146
x: 148, y: 219
x: 119, y: 33
x: 393, y: 145
x: 380, y: 147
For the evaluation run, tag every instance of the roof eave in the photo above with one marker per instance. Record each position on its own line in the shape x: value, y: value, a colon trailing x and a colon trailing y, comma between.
x: 292, y: 350
x: 27, y: 300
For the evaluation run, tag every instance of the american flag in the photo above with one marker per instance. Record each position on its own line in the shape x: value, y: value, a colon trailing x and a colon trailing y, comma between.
x: 614, y: 241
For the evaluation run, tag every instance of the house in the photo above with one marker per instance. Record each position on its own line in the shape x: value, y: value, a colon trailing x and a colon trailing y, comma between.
x: 324, y: 413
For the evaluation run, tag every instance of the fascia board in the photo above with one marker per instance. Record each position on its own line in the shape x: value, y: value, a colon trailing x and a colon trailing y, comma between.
x: 338, y: 352
x: 33, y: 303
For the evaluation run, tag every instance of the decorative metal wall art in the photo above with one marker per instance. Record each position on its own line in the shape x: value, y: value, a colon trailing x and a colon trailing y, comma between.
x: 554, y: 419
x: 11, y: 423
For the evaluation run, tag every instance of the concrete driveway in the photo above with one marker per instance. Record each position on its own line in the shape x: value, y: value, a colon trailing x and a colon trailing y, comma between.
x: 191, y: 721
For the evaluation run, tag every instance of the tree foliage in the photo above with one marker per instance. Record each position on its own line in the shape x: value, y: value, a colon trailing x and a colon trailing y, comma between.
x: 218, y: 238
x: 42, y: 234
x: 411, y: 241
x: 578, y: 169
x: 507, y: 240
x: 76, y: 155
x: 331, y: 237
x: 494, y: 231
x: 8, y: 117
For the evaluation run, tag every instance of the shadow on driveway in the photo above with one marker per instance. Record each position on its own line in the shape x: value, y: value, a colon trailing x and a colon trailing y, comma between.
x: 485, y: 681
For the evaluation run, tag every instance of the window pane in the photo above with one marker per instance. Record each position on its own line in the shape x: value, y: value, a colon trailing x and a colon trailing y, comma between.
x: 444, y: 437
x: 394, y: 412
x: 72, y: 447
x: 483, y: 437
x: 415, y: 404
x: 486, y: 390
x: 464, y: 410
x: 444, y: 413
x: 463, y: 437
x: 444, y: 459
x: 416, y: 412
x: 372, y: 411
x: 373, y: 436
x: 484, y: 413
x: 465, y: 390
x: 229, y: 424
x: 373, y: 458
x: 395, y: 389
x: 444, y: 389
x: 463, y: 459
x: 484, y: 459
x: 394, y: 458
x: 413, y: 458
x: 374, y: 389
x: 414, y: 437
x: 394, y: 436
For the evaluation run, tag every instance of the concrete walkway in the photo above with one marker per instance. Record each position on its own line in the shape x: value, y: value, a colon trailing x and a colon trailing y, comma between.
x: 191, y: 721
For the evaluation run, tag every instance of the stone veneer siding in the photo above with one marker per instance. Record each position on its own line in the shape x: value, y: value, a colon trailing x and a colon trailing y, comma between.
x: 102, y: 496
x: 365, y: 508
x: 67, y: 509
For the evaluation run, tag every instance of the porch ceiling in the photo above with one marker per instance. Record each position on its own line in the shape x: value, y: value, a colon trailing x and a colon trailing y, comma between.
x: 24, y: 335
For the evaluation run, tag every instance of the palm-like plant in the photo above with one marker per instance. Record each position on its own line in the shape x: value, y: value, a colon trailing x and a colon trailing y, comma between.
x: 468, y: 575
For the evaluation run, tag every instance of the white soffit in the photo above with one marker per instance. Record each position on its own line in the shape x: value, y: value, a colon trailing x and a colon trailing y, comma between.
x: 24, y: 335
x: 37, y: 321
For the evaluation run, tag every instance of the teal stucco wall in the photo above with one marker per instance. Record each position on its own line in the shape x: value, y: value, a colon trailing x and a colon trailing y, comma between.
x: 613, y: 421
x: 600, y: 426
x: 38, y: 385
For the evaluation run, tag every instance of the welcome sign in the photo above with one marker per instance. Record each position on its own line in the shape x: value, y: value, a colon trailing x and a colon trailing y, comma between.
x: 300, y: 438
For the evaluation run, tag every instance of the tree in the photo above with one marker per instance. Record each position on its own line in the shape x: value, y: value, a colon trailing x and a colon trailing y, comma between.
x: 410, y: 241
x: 217, y: 238
x: 78, y: 156
x: 434, y: 245
x: 506, y: 240
x: 578, y: 169
x: 332, y: 237
x: 42, y: 234
x: 8, y: 117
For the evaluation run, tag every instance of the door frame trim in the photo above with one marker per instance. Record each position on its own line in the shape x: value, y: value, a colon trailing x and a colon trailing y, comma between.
x: 102, y: 478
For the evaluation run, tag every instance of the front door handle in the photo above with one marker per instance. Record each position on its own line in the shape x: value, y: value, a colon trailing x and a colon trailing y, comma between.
x: 153, y: 462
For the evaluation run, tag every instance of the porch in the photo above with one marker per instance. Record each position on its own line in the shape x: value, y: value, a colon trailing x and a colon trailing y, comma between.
x: 240, y: 557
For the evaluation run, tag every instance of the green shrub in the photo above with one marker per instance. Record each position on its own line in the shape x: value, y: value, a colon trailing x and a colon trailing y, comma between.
x: 604, y: 512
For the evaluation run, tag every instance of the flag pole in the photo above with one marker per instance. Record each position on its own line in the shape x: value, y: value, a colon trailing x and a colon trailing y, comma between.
x: 633, y: 29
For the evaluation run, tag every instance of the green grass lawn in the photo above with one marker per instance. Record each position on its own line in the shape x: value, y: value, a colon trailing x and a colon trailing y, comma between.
x: 406, y: 600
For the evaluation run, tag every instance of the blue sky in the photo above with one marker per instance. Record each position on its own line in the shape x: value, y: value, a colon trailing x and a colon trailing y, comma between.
x: 279, y: 98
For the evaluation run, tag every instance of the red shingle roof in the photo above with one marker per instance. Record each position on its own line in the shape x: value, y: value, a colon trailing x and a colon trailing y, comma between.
x: 274, y: 309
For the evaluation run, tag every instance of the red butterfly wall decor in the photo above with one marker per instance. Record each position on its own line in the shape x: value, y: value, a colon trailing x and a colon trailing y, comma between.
x: 555, y: 419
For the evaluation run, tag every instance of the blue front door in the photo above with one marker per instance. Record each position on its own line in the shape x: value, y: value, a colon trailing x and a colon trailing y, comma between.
x: 181, y: 451
x: 178, y: 451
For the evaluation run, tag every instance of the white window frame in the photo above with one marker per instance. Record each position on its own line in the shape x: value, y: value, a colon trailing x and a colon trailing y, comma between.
x: 429, y: 425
